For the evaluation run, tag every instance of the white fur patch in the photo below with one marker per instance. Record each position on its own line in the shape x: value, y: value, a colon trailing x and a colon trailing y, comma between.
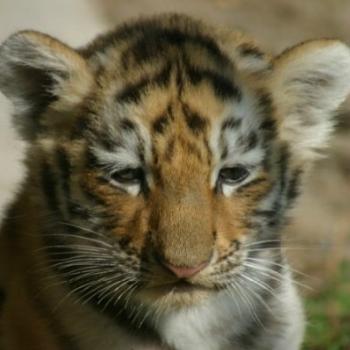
x: 309, y: 83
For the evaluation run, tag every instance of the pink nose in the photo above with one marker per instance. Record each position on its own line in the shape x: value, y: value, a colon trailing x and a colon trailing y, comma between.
x: 185, y: 272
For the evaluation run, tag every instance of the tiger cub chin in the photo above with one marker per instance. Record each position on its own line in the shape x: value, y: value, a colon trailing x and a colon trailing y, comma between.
x: 162, y: 159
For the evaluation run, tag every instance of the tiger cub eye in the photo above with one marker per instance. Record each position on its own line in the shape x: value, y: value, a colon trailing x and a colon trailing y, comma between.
x: 128, y: 176
x: 233, y: 175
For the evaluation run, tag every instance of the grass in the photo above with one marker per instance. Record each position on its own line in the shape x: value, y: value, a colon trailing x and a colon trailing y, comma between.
x: 329, y: 315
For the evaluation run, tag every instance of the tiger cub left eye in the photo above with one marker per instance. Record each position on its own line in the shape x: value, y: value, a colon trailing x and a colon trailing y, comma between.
x: 128, y: 176
x: 233, y: 175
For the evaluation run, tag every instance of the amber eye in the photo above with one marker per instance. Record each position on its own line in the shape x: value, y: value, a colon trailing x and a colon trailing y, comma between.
x: 233, y: 175
x: 128, y: 176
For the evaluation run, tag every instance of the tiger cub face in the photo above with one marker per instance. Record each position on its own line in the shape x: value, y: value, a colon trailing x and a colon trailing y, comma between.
x: 163, y: 156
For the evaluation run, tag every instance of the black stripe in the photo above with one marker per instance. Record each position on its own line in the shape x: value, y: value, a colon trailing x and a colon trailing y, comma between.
x: 224, y: 152
x: 49, y: 186
x: 294, y: 186
x: 194, y: 121
x: 283, y: 167
x: 82, y: 124
x: 10, y: 225
x: 208, y: 150
x: 264, y: 213
x: 91, y: 161
x: 251, y: 141
x: 160, y: 124
x: 179, y: 78
x: 65, y: 168
x: 269, y: 125
x: 134, y: 91
x: 2, y: 298
x: 223, y: 87
x: 231, y: 123
x: 248, y: 142
x: 281, y: 181
x: 169, y: 152
x: 265, y: 105
x: 155, y: 42
x: 127, y: 125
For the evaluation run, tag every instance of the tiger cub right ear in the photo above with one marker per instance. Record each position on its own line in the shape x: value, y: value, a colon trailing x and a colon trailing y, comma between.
x: 37, y: 70
x: 309, y: 82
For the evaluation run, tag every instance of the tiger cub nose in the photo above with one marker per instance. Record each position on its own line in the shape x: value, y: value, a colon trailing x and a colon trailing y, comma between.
x: 184, y: 271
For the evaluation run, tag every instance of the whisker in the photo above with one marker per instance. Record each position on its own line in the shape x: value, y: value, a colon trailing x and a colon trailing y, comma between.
x: 229, y: 286
x: 280, y: 265
x: 262, y: 285
x: 249, y: 304
x: 75, y: 235
x: 275, y: 275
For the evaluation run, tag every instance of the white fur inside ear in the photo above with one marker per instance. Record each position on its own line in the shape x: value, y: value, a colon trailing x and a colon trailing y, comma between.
x: 309, y: 83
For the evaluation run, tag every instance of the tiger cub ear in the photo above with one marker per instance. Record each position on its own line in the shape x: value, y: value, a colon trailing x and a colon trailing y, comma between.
x: 309, y: 82
x: 37, y: 70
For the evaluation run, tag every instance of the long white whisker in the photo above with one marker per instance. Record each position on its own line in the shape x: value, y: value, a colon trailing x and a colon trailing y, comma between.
x: 249, y: 304
x: 75, y: 235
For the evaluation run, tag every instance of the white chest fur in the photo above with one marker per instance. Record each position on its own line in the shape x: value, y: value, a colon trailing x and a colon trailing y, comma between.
x: 215, y: 325
x: 205, y: 327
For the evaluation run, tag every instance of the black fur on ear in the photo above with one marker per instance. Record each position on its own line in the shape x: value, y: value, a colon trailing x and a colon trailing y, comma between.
x: 35, y: 71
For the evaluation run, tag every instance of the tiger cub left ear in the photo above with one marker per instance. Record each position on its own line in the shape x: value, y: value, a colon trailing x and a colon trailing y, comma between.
x: 37, y: 70
x: 309, y: 82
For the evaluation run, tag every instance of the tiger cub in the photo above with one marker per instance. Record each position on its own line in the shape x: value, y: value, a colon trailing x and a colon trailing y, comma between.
x: 162, y: 159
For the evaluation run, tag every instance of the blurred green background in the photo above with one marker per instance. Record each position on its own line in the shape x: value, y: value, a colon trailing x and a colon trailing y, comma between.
x: 318, y: 239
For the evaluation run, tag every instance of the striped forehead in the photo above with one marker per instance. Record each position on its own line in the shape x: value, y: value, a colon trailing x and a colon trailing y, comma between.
x: 201, y: 125
x: 167, y: 81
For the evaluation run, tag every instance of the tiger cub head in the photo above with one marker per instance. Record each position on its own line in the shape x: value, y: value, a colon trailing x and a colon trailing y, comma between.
x: 163, y: 156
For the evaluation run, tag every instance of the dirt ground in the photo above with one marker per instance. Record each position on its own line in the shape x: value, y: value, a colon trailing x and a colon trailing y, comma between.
x: 322, y: 221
